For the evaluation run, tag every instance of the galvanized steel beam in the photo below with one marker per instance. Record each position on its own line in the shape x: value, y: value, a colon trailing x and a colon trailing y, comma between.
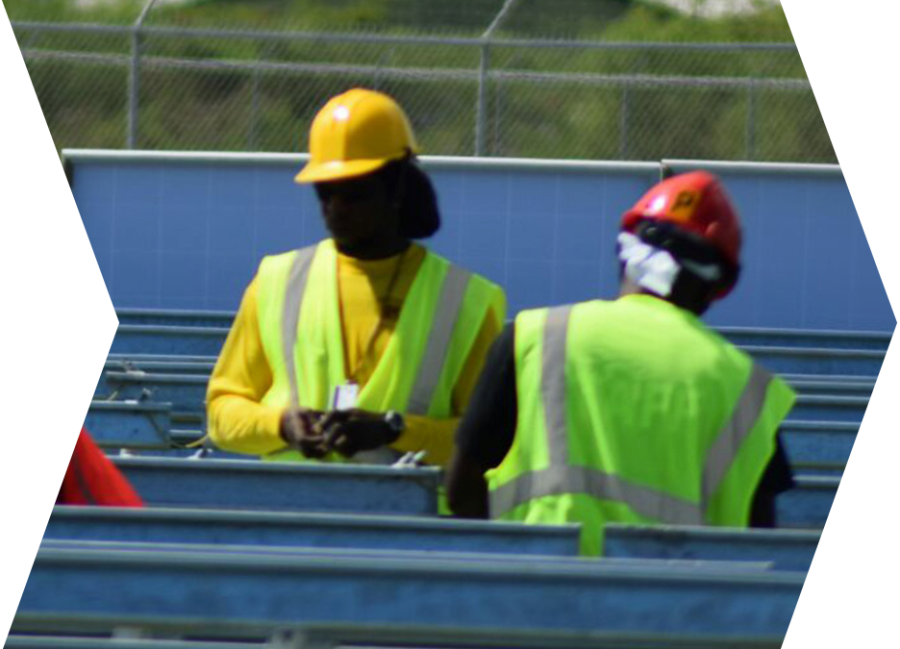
x: 310, y: 530
x: 283, y: 486
x: 511, y: 595
x: 791, y: 550
x: 130, y: 424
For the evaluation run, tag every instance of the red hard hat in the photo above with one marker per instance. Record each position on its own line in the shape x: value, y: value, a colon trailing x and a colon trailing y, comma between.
x: 695, y: 202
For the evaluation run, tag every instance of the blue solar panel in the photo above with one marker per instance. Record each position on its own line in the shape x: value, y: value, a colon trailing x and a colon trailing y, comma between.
x: 188, y: 233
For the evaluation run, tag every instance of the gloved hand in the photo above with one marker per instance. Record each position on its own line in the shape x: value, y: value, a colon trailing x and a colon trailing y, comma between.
x: 350, y: 431
x: 300, y: 429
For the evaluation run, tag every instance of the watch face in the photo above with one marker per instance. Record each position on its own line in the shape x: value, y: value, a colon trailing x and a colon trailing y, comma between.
x: 395, y: 421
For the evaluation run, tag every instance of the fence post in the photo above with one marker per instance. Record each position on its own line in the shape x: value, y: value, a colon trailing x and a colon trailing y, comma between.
x: 623, y: 123
x: 255, y: 91
x: 481, y: 110
x: 134, y: 88
x: 751, y: 121
x: 134, y: 77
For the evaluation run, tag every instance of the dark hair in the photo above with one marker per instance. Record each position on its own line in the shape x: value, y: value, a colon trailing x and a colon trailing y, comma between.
x: 420, y: 217
x: 690, y: 290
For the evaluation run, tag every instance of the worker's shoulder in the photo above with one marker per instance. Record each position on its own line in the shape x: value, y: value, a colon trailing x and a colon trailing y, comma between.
x: 279, y: 259
x: 477, y: 281
x: 694, y: 334
x: 486, y: 286
x: 580, y: 307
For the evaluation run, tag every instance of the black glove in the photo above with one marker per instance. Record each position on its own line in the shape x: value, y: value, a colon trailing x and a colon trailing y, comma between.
x: 350, y: 431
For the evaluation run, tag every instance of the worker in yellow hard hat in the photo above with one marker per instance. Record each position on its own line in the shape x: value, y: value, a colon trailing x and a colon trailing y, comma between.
x: 365, y: 346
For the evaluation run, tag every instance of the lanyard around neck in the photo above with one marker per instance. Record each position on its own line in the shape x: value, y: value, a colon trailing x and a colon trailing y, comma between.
x: 385, y: 313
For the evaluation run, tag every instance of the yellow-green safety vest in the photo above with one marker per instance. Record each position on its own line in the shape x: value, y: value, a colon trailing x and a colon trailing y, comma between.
x: 634, y: 411
x: 300, y: 328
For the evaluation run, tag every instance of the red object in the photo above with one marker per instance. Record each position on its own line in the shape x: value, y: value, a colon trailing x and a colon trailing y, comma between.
x: 695, y: 202
x: 92, y: 479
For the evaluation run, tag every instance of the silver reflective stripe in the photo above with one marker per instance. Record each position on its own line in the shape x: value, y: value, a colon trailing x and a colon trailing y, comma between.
x: 558, y: 480
x: 290, y: 315
x: 553, y: 383
x: 732, y: 435
x: 446, y: 315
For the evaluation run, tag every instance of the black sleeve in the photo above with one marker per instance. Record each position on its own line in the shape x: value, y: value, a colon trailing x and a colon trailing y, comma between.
x: 488, y: 427
x: 778, y: 478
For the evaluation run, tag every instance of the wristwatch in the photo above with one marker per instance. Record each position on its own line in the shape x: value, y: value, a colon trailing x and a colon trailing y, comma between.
x: 395, y: 421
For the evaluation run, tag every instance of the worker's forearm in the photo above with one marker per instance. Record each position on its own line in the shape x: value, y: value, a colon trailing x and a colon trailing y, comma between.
x: 240, y: 425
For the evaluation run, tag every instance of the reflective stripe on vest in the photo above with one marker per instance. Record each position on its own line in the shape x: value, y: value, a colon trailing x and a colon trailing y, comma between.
x: 561, y: 478
x: 453, y: 291
x: 558, y: 480
x: 290, y: 317
x: 729, y: 439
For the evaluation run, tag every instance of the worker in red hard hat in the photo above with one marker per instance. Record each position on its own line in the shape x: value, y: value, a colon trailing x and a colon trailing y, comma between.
x: 631, y: 410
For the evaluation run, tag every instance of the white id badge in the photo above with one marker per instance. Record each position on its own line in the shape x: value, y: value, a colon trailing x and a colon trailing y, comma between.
x: 345, y: 396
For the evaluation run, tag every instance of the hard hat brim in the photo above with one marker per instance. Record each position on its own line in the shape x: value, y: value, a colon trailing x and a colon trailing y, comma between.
x: 337, y: 170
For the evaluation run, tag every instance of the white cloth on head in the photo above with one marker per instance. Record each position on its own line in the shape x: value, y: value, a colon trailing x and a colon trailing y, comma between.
x: 650, y: 268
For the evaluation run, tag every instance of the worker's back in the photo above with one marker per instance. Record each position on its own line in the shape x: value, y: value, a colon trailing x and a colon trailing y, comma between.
x: 634, y: 411
x: 639, y: 368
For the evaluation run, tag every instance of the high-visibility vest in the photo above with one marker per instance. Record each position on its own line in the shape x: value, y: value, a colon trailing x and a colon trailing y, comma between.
x: 301, y: 332
x: 634, y: 411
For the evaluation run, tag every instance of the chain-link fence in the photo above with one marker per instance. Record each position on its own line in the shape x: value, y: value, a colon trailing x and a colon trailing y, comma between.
x: 158, y: 86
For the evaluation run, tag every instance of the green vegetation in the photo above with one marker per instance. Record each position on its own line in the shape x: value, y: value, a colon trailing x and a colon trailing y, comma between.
x: 122, y: 12
x: 263, y: 90
x: 625, y: 20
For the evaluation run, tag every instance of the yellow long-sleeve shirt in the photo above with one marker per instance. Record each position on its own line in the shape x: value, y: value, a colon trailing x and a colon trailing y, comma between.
x: 239, y: 422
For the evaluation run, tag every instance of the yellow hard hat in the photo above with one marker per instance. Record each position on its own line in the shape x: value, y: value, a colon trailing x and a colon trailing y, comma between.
x: 356, y: 133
